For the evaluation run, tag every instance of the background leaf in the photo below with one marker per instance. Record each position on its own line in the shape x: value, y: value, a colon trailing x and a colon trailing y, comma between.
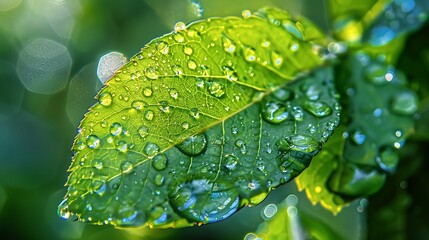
x: 185, y: 132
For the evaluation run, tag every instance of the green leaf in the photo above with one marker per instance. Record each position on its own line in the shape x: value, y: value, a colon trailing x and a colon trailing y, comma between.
x: 355, y: 161
x: 201, y: 123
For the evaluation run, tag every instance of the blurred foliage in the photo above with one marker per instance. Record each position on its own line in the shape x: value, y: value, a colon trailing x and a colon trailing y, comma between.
x: 37, y: 128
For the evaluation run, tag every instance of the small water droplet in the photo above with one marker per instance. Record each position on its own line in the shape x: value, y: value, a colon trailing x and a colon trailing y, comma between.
x: 265, y: 44
x: 151, y: 149
x: 162, y: 47
x: 174, y: 93
x: 105, y: 99
x: 388, y: 160
x: 276, y: 59
x: 149, y: 114
x: 358, y: 137
x: 151, y: 73
x: 249, y: 54
x: 63, y: 210
x: 312, y: 91
x: 274, y: 112
x: 164, y: 106
x: 228, y: 45
x: 126, y: 167
x: 294, y: 47
x: 188, y: 50
x: 375, y: 73
x: 195, y: 113
x: 143, y: 131
x: 116, y: 129
x: 138, y: 105
x: 147, y: 92
x: 246, y: 14
x: 98, y: 164
x: 215, y: 88
x: 177, y: 69
x: 185, y: 125
x: 318, y: 109
x: 122, y: 146
x: 230, y: 73
x: 297, y: 113
x: 93, y: 141
x: 204, y: 201
x: 377, y: 112
x: 404, y: 103
x: 269, y: 211
x: 159, y: 179
x: 230, y: 161
x: 200, y: 82
x: 159, y: 162
x: 192, y: 64
x: 194, y: 145
x: 179, y: 26
x: 312, y: 128
x: 178, y: 37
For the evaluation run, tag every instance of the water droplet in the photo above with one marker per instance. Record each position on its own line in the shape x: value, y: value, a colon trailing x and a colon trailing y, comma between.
x: 292, y: 28
x: 116, y: 129
x: 381, y: 35
x: 159, y: 162
x: 358, y: 137
x: 105, y: 99
x: 398, y: 133
x: 297, y: 113
x: 265, y: 44
x: 98, y: 164
x: 174, y: 93
x: 388, y: 160
x: 138, y: 105
x: 126, y: 167
x: 147, y: 92
x: 377, y: 112
x: 151, y: 73
x: 228, y: 45
x: 192, y: 64
x: 204, y: 201
x: 178, y: 37
x: 164, y: 106
x: 177, y: 69
x: 404, y: 103
x: 187, y: 50
x: 274, y: 112
x: 143, y: 131
x: 162, y: 47
x: 249, y: 54
x: 179, y: 26
x: 128, y: 216
x: 312, y: 128
x: 230, y: 73
x: 151, y: 149
x: 122, y: 146
x: 375, y: 73
x: 159, y: 179
x: 246, y: 14
x: 294, y: 47
x: 93, y: 141
x: 269, y: 211
x: 318, y: 109
x: 185, y: 125
x: 216, y: 88
x: 63, y: 210
x: 276, y: 59
x: 149, y: 114
x: 194, y: 145
x: 241, y: 144
x: 312, y: 91
x: 195, y: 113
x: 300, y: 143
x: 200, y: 82
x: 230, y: 161
x: 282, y: 94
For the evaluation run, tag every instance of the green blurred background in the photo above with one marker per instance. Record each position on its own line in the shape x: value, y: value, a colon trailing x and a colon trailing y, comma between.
x: 49, y: 51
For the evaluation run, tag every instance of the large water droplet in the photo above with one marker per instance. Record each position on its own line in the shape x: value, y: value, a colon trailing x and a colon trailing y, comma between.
x: 159, y: 179
x: 93, y: 141
x: 318, y: 109
x: 151, y: 149
x: 216, y: 88
x: 194, y: 145
x: 404, y: 103
x: 116, y: 129
x: 292, y: 28
x: 159, y: 162
x: 312, y: 91
x: 204, y: 201
x: 300, y: 143
x: 274, y: 112
x: 105, y: 99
